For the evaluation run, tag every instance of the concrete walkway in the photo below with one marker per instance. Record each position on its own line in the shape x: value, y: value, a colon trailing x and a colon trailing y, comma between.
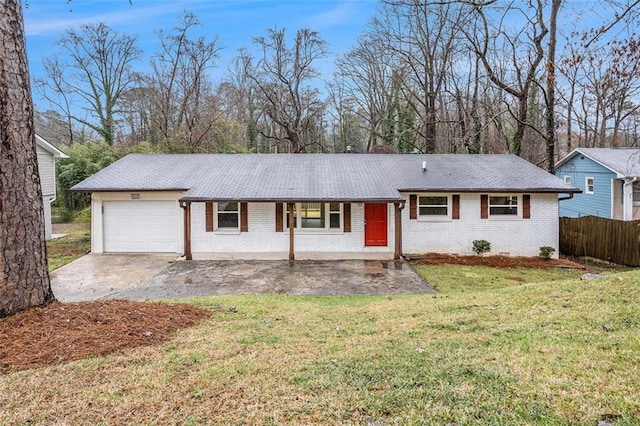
x: 302, y: 277
x: 96, y: 276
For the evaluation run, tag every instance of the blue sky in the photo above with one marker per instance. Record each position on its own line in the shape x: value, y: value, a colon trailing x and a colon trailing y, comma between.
x: 235, y: 22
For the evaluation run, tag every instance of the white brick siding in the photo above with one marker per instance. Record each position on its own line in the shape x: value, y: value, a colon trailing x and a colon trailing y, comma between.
x: 263, y: 242
x: 511, y: 236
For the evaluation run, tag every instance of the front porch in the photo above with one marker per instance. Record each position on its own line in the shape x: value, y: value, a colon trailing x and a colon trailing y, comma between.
x: 269, y: 230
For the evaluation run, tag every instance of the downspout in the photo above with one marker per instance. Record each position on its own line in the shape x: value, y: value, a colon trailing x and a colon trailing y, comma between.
x: 186, y: 206
x: 399, y: 206
x: 290, y: 209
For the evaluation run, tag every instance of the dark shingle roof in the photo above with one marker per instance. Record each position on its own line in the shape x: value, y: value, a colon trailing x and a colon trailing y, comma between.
x: 623, y: 161
x: 305, y: 177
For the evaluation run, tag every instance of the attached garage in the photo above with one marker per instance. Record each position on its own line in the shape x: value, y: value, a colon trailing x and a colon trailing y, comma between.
x: 139, y: 226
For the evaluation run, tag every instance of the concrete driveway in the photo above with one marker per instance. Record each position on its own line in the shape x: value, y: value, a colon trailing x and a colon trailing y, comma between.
x: 96, y: 276
x: 152, y: 277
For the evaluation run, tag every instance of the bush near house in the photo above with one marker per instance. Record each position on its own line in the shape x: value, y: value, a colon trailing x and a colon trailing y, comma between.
x: 481, y: 247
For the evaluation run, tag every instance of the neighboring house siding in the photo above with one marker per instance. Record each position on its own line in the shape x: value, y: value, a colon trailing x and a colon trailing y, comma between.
x: 264, y: 242
x: 512, y: 236
x: 597, y: 204
x: 47, y: 170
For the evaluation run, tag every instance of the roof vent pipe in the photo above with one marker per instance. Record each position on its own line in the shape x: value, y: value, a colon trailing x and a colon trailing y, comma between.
x: 424, y: 166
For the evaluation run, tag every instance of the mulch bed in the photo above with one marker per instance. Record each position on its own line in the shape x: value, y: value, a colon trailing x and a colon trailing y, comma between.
x: 62, y: 332
x: 494, y: 261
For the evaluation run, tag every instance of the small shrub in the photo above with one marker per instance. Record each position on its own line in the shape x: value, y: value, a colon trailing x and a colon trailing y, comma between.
x: 546, y: 252
x: 480, y: 247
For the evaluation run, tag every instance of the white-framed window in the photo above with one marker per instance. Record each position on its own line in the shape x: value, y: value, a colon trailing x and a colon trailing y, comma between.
x: 315, y: 216
x: 589, y: 185
x: 227, y: 215
x: 433, y: 206
x: 503, y: 205
x: 636, y: 191
x: 335, y: 215
x: 567, y: 179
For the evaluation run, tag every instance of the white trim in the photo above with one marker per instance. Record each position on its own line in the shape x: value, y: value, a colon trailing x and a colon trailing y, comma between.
x: 586, y: 185
x: 327, y: 219
x: 518, y: 214
x: 50, y: 148
x: 434, y: 218
x: 230, y: 229
x: 567, y: 179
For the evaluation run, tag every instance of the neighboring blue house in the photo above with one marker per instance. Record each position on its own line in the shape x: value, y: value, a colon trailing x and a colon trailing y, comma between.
x: 609, y: 179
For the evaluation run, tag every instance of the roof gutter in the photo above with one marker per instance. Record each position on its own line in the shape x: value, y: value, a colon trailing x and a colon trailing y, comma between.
x: 570, y: 196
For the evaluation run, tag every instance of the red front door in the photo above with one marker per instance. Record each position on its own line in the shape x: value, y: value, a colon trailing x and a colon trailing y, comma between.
x: 375, y: 224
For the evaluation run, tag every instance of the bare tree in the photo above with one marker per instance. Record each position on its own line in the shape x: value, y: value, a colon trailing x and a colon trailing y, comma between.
x: 348, y: 130
x: 568, y: 68
x: 94, y: 69
x: 491, y: 39
x: 366, y: 73
x: 183, y: 109
x: 239, y: 105
x: 605, y: 80
x: 424, y: 36
x: 53, y: 90
x: 24, y: 278
x: 282, y: 78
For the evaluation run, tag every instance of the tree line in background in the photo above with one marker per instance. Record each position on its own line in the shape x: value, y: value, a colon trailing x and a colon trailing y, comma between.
x: 455, y: 76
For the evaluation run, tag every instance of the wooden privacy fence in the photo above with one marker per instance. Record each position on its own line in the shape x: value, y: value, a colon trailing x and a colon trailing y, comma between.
x: 616, y: 241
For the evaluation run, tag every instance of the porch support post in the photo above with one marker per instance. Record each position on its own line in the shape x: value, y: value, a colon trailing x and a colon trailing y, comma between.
x: 398, y: 230
x: 290, y: 207
x: 186, y: 206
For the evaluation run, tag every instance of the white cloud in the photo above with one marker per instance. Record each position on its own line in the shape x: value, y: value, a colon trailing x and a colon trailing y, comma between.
x: 343, y: 13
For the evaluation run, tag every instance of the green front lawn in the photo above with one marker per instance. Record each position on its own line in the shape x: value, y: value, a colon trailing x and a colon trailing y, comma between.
x: 542, y: 348
x: 76, y: 243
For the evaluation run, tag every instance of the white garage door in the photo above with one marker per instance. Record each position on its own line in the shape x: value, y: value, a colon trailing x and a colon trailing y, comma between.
x: 140, y: 226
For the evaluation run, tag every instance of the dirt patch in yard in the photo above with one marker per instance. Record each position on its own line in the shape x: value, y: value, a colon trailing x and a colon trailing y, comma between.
x: 495, y: 261
x: 62, y: 332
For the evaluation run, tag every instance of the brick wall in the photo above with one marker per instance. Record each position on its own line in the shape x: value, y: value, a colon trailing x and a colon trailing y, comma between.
x: 511, y: 236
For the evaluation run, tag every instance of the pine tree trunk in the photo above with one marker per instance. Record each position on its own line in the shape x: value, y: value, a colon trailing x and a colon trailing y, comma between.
x: 24, y: 278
